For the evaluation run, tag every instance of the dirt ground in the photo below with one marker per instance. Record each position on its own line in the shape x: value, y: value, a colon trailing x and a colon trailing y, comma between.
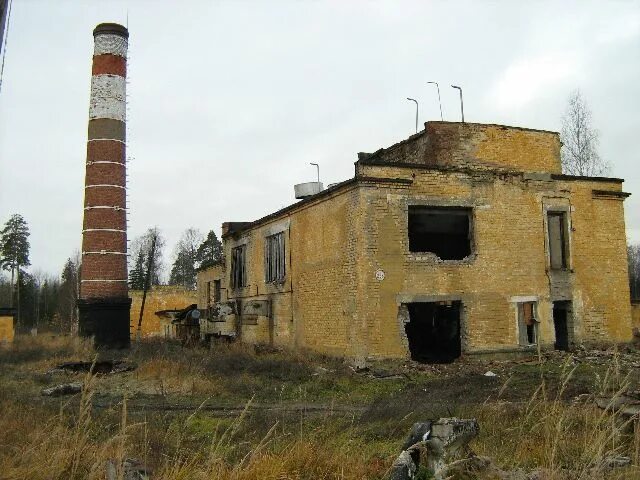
x: 209, y: 389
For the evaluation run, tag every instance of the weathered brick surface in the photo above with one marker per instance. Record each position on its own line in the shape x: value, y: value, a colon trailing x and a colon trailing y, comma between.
x: 158, y: 298
x: 105, y: 218
x: 109, y: 64
x: 103, y: 290
x: 105, y: 150
x: 106, y: 174
x: 110, y: 241
x: 476, y: 146
x: 331, y: 300
x: 105, y: 197
x: 107, y: 267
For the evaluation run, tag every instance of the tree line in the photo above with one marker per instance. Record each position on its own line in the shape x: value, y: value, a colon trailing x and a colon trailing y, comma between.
x: 48, y: 301
x: 193, y: 252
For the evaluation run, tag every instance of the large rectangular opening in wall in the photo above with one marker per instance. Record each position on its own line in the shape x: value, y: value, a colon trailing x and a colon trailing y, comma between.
x: 444, y: 231
x: 562, y: 323
x: 558, y: 244
x: 433, y: 331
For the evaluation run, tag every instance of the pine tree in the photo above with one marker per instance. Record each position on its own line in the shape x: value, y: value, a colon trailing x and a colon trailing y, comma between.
x: 68, y: 294
x: 137, y: 273
x: 209, y: 252
x: 14, y: 251
x: 183, y: 270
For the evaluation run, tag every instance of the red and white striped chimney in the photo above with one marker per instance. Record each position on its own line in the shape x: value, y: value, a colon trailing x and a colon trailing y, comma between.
x: 104, y: 304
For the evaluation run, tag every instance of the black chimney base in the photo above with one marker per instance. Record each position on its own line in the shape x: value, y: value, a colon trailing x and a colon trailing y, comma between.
x: 106, y: 320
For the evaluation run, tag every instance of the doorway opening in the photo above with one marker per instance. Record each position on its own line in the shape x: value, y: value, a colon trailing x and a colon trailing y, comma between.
x: 433, y: 331
x: 561, y: 322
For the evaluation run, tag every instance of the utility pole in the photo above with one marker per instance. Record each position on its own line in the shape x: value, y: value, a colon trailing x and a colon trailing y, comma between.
x: 413, y: 100
x: 439, y: 101
x: 461, y: 102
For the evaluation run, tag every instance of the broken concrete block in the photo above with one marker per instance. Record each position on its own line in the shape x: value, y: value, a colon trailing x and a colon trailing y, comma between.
x: 63, y: 389
x: 132, y: 469
x: 434, y: 444
x: 420, y: 432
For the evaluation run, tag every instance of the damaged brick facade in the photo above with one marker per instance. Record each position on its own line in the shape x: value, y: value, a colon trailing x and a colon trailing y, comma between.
x: 464, y: 233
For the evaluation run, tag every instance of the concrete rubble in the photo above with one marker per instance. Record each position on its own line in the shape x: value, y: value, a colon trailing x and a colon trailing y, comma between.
x: 63, y: 389
x: 442, y: 448
x: 131, y: 469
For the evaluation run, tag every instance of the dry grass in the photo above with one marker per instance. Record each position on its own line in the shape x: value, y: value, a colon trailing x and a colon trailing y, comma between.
x: 566, y: 440
x: 68, y: 439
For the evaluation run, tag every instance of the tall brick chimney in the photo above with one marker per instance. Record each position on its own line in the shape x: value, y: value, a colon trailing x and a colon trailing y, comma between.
x: 104, y: 301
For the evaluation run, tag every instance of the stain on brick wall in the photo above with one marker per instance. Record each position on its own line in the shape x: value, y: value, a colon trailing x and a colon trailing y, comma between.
x: 158, y: 298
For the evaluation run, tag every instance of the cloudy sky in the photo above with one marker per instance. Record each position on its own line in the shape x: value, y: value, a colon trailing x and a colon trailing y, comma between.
x: 230, y: 101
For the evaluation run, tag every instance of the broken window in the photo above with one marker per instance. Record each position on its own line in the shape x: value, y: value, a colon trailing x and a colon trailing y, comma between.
x: 443, y: 231
x: 238, y: 267
x: 527, y: 323
x: 217, y: 293
x: 274, y: 259
x: 558, y: 246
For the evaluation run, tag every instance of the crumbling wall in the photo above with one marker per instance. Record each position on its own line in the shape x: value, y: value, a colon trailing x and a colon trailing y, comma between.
x: 158, y: 298
x: 475, y: 146
x: 205, y: 286
x: 509, y: 260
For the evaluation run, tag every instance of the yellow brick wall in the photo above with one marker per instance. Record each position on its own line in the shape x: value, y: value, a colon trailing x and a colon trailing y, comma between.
x: 158, y: 298
x: 203, y: 277
x: 320, y: 242
x: 6, y: 329
x: 510, y: 259
x: 475, y: 146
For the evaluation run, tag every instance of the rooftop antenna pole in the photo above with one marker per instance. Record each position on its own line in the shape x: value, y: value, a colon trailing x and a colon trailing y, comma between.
x: 461, y: 102
x: 317, y: 168
x: 439, y: 101
x: 412, y: 100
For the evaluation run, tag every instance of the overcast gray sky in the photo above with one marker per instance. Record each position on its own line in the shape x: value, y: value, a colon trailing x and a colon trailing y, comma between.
x: 230, y: 101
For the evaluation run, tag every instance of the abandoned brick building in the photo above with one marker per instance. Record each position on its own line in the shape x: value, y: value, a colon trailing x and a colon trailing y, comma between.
x: 464, y: 238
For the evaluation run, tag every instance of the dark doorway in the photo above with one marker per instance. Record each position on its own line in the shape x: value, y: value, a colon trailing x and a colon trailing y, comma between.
x: 433, y: 331
x: 561, y: 323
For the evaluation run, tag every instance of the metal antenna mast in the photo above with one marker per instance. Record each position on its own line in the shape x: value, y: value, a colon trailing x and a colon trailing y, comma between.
x: 317, y: 168
x: 461, y: 102
x: 413, y: 100
x: 439, y: 101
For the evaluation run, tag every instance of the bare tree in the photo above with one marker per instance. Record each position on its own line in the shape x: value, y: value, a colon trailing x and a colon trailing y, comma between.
x: 580, y: 140
x: 140, y: 248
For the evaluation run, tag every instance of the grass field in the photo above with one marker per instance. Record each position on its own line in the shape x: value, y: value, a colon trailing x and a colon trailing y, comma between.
x: 237, y: 412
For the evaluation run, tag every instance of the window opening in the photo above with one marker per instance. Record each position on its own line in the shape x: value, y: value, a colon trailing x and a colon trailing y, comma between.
x: 274, y: 258
x: 443, y: 231
x: 557, y: 229
x: 217, y: 294
x: 238, y: 267
x: 527, y: 323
